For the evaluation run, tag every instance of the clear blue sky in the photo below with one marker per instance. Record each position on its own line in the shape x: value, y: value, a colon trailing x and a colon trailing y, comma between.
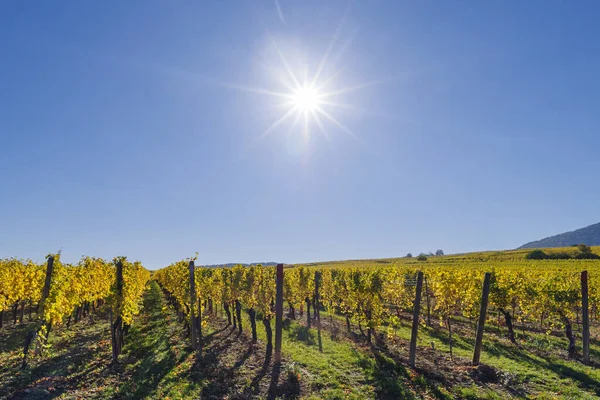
x: 123, y: 130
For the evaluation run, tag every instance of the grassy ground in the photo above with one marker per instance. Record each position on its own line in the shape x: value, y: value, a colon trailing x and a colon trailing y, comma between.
x: 346, y: 371
x: 157, y: 363
x: 537, y: 367
x: 75, y: 364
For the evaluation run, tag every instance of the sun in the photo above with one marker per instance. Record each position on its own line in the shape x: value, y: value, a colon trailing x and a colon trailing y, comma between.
x: 306, y: 99
x: 307, y: 94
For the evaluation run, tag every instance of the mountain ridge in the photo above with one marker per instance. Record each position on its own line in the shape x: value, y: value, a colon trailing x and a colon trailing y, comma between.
x: 589, y: 235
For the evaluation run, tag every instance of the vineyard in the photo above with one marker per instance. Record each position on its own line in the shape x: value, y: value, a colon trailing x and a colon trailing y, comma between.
x: 478, y: 325
x: 64, y: 294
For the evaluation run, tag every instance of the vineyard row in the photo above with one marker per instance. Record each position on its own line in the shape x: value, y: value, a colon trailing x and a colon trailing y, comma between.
x: 376, y: 298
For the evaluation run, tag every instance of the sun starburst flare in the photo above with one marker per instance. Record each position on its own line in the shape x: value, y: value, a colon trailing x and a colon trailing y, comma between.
x: 309, y: 100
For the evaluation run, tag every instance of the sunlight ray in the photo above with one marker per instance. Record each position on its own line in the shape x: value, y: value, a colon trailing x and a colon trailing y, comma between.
x: 285, y: 63
x: 328, y: 52
x: 339, y: 105
x: 320, y: 125
x: 305, y: 81
x: 306, y: 130
x: 275, y: 124
x: 279, y: 11
x: 278, y: 107
x: 330, y: 79
x: 278, y: 75
x: 338, y: 124
x: 257, y: 90
x: 296, y: 120
x: 353, y: 88
x: 342, y: 50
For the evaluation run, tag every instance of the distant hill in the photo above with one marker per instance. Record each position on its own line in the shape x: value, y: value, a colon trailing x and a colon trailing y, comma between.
x: 589, y: 235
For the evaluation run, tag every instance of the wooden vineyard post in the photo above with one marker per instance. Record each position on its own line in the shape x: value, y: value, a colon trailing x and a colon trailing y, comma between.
x: 42, y: 305
x: 112, y: 336
x: 428, y: 303
x: 585, y: 317
x: 117, y: 325
x: 32, y: 335
x: 193, y: 327
x: 47, y: 283
x: 317, y: 309
x: 278, y: 313
x: 482, y: 316
x: 199, y: 325
x: 415, y: 324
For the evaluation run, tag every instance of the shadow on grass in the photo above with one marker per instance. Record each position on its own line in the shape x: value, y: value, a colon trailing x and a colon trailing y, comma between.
x: 52, y: 371
x: 221, y: 364
x: 150, y: 344
x: 213, y: 372
x: 207, y: 339
x: 458, y: 341
x: 208, y: 367
x: 393, y: 378
x: 253, y: 388
x: 12, y: 337
x: 585, y: 381
x: 518, y: 354
x: 275, y: 372
x: 289, y: 387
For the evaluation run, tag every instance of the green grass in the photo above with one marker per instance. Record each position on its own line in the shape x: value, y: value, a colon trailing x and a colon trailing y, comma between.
x: 156, y: 359
x: 338, y: 372
x: 341, y: 371
x: 75, y: 362
x: 344, y: 370
x: 474, y: 393
x: 159, y: 363
x: 534, y: 366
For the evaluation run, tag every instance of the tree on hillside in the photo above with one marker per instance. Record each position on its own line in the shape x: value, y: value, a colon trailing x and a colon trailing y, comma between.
x: 536, y: 254
x: 584, y: 248
x: 409, y: 255
x: 585, y: 252
x: 439, y: 252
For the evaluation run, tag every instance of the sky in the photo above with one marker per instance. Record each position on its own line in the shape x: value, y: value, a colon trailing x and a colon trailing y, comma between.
x: 148, y: 129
